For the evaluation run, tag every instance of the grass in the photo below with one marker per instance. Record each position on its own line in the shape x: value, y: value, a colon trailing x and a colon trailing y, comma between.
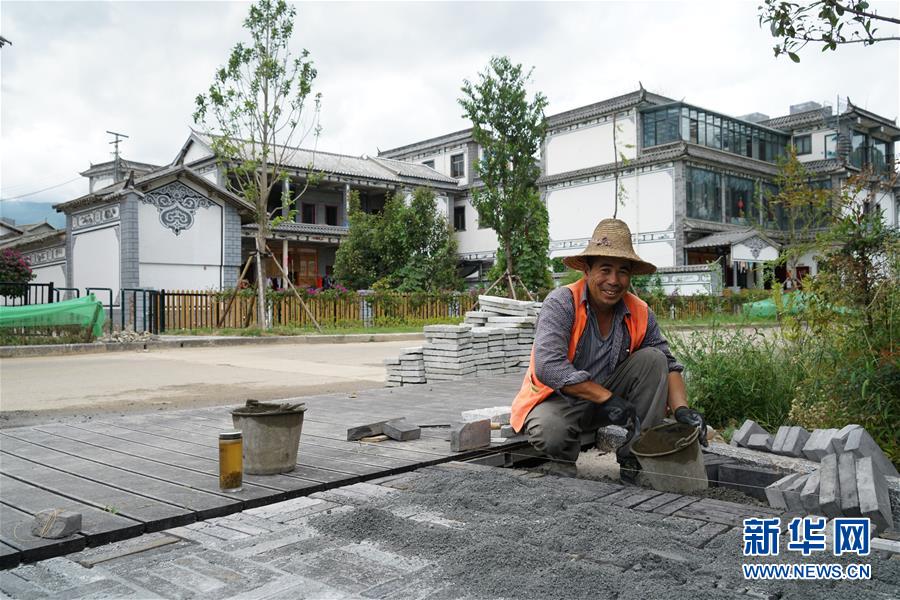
x: 712, y: 320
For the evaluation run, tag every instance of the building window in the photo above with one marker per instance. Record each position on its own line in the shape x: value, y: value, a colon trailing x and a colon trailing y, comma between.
x: 660, y: 127
x: 879, y: 156
x: 459, y: 218
x: 831, y: 145
x: 331, y: 215
x: 429, y: 163
x: 704, y: 194
x: 739, y: 205
x: 307, y: 213
x: 803, y: 144
x: 858, y: 150
x: 457, y: 168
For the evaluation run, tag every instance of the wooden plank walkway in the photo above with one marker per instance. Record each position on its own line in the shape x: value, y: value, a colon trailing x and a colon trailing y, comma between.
x: 135, y: 474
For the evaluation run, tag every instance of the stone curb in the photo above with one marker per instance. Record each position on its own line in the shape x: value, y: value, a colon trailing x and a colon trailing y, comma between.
x: 200, y: 342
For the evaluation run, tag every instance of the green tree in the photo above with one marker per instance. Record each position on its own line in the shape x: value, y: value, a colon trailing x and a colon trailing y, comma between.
x: 804, y: 209
x: 257, y: 112
x: 827, y: 22
x: 510, y: 129
x: 406, y: 247
x: 357, y: 264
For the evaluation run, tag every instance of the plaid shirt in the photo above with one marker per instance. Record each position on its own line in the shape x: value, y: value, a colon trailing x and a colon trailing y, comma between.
x: 595, y: 357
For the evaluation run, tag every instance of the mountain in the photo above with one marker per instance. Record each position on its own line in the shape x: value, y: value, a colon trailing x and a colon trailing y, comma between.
x: 31, y: 212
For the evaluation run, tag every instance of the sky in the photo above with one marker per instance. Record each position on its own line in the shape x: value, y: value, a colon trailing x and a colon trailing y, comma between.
x: 389, y: 73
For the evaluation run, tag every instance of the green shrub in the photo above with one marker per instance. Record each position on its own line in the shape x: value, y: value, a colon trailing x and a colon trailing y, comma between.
x: 736, y: 374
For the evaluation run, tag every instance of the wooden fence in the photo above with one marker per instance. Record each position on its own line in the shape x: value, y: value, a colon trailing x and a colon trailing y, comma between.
x: 187, y: 309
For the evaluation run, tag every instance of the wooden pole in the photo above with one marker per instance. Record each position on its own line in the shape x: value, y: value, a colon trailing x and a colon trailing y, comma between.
x: 234, y: 293
x: 296, y: 293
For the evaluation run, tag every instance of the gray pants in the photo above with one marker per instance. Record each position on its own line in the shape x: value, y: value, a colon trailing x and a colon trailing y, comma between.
x: 555, y: 425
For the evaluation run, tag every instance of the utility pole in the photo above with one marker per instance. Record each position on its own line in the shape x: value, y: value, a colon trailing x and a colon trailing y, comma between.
x: 115, y: 142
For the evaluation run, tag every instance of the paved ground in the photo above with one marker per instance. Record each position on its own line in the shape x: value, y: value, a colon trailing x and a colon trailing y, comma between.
x: 453, y: 531
x: 184, y: 378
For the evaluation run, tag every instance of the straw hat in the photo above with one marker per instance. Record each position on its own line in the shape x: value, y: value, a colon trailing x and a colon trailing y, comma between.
x: 611, y: 238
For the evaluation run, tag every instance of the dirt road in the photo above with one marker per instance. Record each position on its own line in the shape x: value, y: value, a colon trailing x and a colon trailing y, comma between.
x: 39, y: 389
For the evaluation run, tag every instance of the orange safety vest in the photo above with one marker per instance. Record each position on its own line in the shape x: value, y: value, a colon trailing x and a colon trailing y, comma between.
x: 533, y: 392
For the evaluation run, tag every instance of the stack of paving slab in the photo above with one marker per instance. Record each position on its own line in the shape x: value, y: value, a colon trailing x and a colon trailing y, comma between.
x: 851, y: 479
x: 492, y: 341
x: 511, y: 333
x: 448, y: 353
x: 407, y: 369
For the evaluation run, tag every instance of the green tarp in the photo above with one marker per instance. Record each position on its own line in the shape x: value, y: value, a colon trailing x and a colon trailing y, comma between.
x: 765, y: 309
x: 86, y: 313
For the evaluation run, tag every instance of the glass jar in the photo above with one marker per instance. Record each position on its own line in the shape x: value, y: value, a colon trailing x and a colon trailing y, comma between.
x: 231, y: 461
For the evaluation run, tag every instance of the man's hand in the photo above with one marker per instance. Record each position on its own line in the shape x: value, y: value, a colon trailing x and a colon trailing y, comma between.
x: 689, y: 416
x: 618, y: 411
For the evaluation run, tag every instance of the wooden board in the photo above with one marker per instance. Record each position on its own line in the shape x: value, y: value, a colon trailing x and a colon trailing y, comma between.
x: 15, y: 531
x: 99, y: 526
x: 247, y: 498
x: 204, y: 459
x: 155, y: 514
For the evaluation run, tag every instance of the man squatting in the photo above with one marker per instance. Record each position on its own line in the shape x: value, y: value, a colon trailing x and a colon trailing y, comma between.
x: 599, y: 359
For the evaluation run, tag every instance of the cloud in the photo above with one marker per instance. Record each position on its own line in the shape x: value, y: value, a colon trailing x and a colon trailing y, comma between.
x: 390, y: 73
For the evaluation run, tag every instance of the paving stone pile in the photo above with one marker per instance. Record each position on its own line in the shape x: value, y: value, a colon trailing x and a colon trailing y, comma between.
x: 407, y: 368
x: 492, y: 341
x: 851, y: 478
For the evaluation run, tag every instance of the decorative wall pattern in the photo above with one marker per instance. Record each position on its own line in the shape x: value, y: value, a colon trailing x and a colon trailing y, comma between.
x: 176, y: 204
x: 46, y: 255
x: 98, y: 216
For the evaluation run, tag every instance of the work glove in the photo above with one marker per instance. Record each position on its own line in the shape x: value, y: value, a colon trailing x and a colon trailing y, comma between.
x: 689, y: 416
x: 618, y: 411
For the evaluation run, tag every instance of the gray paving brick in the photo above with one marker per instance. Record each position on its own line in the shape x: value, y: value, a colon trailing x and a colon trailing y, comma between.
x: 830, y: 487
x: 793, y: 444
x: 761, y: 442
x: 809, y: 495
x: 402, y: 431
x: 792, y: 494
x: 819, y: 444
x: 742, y: 435
x: 860, y: 443
x: 470, y: 436
x: 874, y: 500
x: 847, y: 475
x: 775, y: 491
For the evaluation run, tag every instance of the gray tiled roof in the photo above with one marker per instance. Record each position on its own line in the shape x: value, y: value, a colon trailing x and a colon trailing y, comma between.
x: 307, y: 228
x: 827, y: 165
x: 117, y: 189
x: 31, y: 238
x: 353, y: 166
x: 605, y: 106
x: 728, y: 238
x: 807, y: 118
x: 125, y: 165
x: 410, y: 169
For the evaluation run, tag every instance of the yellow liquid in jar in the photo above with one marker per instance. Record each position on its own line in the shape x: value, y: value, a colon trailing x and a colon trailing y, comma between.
x: 231, y: 465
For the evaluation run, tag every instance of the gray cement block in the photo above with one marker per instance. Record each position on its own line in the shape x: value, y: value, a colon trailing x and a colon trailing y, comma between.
x: 849, y: 494
x: 819, y: 444
x: 749, y: 479
x: 809, y: 495
x: 761, y: 442
x: 775, y: 491
x: 54, y: 524
x: 842, y: 434
x: 742, y: 435
x: 507, y: 431
x: 470, y: 436
x: 368, y: 430
x: 829, y: 487
x: 402, y: 431
x: 860, y: 443
x: 872, y: 488
x: 792, y: 494
x: 780, y: 438
x: 497, y: 414
x: 792, y: 445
